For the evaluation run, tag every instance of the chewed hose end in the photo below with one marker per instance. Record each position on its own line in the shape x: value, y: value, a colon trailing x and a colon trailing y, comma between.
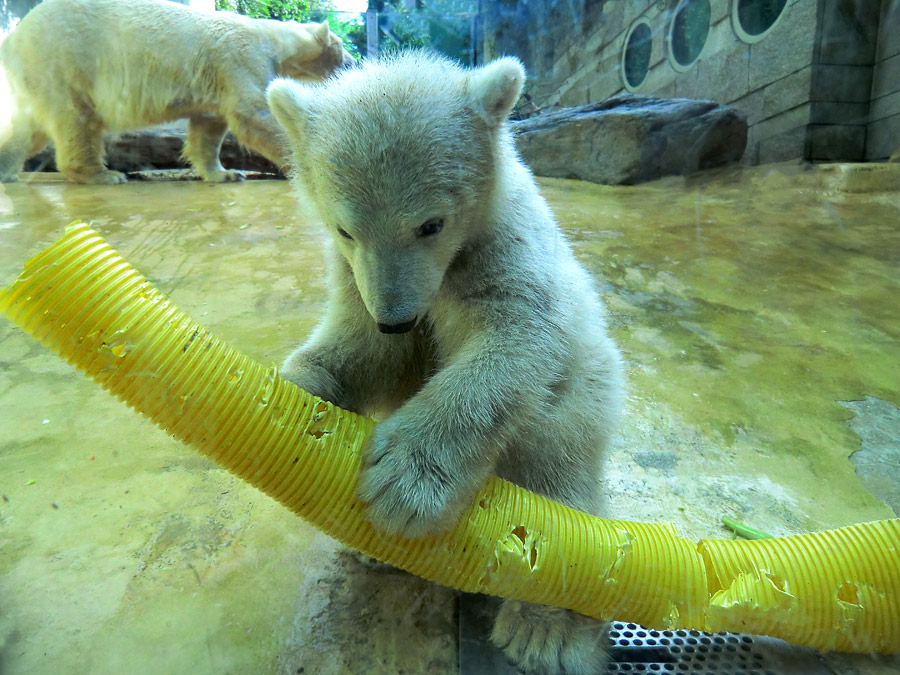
x: 830, y: 590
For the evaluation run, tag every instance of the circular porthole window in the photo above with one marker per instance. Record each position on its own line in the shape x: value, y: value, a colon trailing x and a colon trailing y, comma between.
x: 753, y: 19
x: 636, y: 56
x: 688, y: 32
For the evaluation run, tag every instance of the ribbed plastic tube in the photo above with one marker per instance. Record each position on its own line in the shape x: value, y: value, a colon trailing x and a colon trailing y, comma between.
x: 838, y: 589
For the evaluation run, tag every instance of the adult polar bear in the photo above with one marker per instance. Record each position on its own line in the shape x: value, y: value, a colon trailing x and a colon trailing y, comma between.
x: 79, y: 67
x: 457, y: 305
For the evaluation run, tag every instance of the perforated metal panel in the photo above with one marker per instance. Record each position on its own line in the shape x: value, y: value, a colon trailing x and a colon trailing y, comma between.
x: 637, y: 650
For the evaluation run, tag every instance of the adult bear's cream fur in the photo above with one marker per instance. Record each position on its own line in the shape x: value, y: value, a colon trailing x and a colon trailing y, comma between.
x: 77, y: 68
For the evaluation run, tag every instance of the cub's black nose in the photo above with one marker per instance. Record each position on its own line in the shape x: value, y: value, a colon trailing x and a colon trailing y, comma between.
x: 397, y: 327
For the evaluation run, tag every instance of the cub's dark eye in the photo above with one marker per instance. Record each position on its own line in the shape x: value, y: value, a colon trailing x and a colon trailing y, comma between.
x: 344, y: 234
x: 430, y: 227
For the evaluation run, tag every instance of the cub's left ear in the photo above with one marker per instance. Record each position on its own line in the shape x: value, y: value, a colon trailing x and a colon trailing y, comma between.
x: 496, y: 87
x: 289, y: 102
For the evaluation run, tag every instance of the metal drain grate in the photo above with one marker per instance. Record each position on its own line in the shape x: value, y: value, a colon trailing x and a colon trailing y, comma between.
x: 683, y: 652
x: 635, y: 649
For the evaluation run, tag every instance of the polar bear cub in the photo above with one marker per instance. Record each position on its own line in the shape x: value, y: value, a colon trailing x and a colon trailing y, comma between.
x: 457, y: 306
x: 79, y: 67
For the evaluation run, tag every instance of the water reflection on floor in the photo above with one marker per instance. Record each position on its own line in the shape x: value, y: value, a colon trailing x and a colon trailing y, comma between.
x: 749, y: 305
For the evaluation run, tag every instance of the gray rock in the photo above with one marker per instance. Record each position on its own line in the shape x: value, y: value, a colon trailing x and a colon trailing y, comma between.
x: 629, y: 139
x: 160, y: 148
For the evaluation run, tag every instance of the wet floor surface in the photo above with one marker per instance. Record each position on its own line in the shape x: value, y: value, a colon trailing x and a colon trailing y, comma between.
x: 756, y: 309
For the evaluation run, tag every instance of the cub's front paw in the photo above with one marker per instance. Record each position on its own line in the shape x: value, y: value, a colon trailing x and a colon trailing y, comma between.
x: 407, y: 485
x: 543, y: 640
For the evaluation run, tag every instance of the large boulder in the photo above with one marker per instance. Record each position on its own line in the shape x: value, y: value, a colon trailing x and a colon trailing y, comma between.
x: 629, y: 139
x: 160, y: 148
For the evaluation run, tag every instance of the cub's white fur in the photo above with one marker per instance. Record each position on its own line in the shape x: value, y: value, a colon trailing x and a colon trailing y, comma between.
x: 79, y: 67
x: 484, y: 339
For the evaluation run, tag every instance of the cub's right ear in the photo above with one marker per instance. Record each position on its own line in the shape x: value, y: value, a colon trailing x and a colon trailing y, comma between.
x: 289, y: 102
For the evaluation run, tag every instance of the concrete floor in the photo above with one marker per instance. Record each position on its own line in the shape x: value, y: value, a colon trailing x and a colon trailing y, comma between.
x: 756, y: 308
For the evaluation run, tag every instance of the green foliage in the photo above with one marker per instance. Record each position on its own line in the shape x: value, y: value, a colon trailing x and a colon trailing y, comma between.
x: 282, y: 10
x: 442, y: 25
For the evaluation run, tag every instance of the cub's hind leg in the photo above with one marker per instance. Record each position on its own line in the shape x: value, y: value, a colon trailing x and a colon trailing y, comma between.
x: 557, y: 454
x: 543, y: 640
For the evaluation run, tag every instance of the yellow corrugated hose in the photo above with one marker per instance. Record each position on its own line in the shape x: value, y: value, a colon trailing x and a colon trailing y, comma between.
x: 838, y: 589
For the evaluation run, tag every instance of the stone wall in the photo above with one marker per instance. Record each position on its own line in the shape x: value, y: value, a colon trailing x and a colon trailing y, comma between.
x: 548, y: 35
x: 842, y: 79
x: 883, y: 135
x: 822, y: 84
